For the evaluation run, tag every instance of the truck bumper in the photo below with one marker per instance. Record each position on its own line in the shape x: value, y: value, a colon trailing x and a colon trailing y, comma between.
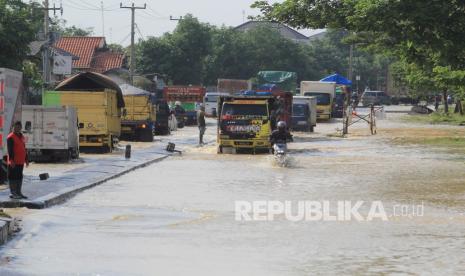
x: 323, y: 116
x: 245, y: 144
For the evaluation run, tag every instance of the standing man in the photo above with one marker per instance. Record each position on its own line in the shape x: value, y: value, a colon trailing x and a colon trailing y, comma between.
x: 437, y: 99
x: 17, y: 158
x: 201, y: 123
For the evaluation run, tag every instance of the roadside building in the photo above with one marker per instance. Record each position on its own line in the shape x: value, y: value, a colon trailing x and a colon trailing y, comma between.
x: 92, y: 52
x: 284, y: 30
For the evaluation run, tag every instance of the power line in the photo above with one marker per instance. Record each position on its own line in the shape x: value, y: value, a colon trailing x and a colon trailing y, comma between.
x: 125, y: 38
x: 82, y: 5
x: 138, y: 30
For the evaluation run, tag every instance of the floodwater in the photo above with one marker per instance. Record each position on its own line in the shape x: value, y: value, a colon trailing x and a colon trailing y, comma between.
x: 177, y: 217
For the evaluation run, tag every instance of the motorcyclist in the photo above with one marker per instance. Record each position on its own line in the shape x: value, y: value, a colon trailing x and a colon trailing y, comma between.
x: 178, y: 109
x: 281, y: 134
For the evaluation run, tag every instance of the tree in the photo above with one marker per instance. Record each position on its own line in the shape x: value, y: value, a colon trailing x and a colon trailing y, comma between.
x: 180, y: 55
x: 60, y: 26
x: 19, y: 23
x: 426, y: 33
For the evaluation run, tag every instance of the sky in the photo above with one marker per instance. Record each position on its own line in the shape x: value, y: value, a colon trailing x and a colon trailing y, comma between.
x: 155, y: 19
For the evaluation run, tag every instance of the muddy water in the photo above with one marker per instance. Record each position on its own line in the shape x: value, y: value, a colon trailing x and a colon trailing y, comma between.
x: 177, y: 217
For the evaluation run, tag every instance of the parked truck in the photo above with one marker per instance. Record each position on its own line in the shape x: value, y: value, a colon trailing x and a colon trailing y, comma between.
x: 282, y: 109
x: 325, y: 94
x: 244, y: 122
x: 191, y: 97
x: 10, y: 109
x: 51, y: 132
x: 232, y: 86
x: 139, y: 115
x: 99, y: 102
x: 304, y: 113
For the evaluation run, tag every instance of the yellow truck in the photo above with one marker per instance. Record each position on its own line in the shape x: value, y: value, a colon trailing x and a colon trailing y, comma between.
x: 99, y: 102
x: 139, y: 115
x: 324, y: 92
x: 244, y: 123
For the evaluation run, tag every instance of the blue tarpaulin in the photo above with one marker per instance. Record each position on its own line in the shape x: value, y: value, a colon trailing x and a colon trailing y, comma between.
x: 338, y: 79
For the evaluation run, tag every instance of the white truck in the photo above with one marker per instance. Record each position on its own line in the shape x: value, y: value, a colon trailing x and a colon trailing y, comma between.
x: 304, y: 113
x: 51, y: 132
x: 10, y: 109
x: 210, y: 102
x: 325, y: 92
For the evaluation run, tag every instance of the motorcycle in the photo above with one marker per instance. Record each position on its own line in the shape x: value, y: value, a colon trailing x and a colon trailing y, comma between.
x: 280, y: 154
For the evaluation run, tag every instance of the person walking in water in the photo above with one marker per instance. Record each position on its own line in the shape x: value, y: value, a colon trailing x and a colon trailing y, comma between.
x: 201, y: 123
x: 17, y: 158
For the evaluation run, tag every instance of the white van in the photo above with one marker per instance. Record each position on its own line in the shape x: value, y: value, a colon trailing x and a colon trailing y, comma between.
x: 210, y: 101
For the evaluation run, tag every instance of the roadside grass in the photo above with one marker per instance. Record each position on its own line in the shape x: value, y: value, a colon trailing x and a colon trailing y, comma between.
x: 452, y: 144
x: 436, y: 118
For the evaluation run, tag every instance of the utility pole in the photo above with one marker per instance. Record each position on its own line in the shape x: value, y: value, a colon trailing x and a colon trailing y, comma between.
x: 351, y: 58
x: 103, y: 19
x: 46, y: 53
x: 133, y: 23
x: 347, y: 109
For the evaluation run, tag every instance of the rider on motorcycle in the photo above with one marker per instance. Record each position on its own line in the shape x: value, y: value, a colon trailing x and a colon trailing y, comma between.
x: 281, y: 134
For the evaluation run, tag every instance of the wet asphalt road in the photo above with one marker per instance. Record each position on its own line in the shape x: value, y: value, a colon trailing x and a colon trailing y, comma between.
x: 177, y: 217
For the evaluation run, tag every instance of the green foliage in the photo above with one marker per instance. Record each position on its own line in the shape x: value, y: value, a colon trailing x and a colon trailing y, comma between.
x: 425, y: 36
x: 18, y: 25
x: 60, y: 26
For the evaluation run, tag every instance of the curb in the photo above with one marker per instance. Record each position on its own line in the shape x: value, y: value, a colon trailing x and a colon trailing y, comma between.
x: 7, y: 228
x: 65, y: 194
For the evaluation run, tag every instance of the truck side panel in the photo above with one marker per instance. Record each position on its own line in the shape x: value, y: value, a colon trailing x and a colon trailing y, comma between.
x: 98, y: 114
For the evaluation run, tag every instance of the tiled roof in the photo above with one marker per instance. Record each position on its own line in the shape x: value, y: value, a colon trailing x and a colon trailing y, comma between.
x: 82, y: 46
x: 104, y: 61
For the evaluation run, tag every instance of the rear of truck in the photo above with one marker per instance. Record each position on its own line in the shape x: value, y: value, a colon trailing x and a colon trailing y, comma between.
x: 191, y: 97
x: 244, y: 123
x: 51, y: 132
x: 138, y: 120
x: 98, y: 114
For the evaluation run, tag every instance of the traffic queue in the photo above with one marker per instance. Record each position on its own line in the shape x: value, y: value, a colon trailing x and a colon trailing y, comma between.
x: 91, y: 112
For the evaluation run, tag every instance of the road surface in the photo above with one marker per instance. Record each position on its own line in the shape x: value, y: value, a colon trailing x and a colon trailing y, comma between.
x: 178, y: 217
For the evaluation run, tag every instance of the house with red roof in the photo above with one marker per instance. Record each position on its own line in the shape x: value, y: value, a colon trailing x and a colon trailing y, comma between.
x: 92, y: 52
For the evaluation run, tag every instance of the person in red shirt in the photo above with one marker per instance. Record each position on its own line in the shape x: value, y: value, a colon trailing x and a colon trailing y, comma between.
x: 17, y: 158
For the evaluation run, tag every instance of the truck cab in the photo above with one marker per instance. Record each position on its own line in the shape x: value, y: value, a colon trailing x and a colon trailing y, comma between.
x: 325, y: 95
x: 244, y: 123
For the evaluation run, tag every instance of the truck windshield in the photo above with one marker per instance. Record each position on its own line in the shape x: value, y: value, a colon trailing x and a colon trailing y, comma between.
x: 299, y: 110
x: 321, y: 98
x: 245, y: 109
x: 211, y: 98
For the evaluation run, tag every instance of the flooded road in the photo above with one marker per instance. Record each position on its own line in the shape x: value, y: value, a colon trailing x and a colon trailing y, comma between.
x: 177, y: 217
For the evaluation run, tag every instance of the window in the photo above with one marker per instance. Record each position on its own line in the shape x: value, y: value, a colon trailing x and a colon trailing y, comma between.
x: 299, y: 110
x: 245, y: 109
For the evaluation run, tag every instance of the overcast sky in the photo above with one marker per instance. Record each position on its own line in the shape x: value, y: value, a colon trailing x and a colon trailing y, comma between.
x: 153, y: 21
